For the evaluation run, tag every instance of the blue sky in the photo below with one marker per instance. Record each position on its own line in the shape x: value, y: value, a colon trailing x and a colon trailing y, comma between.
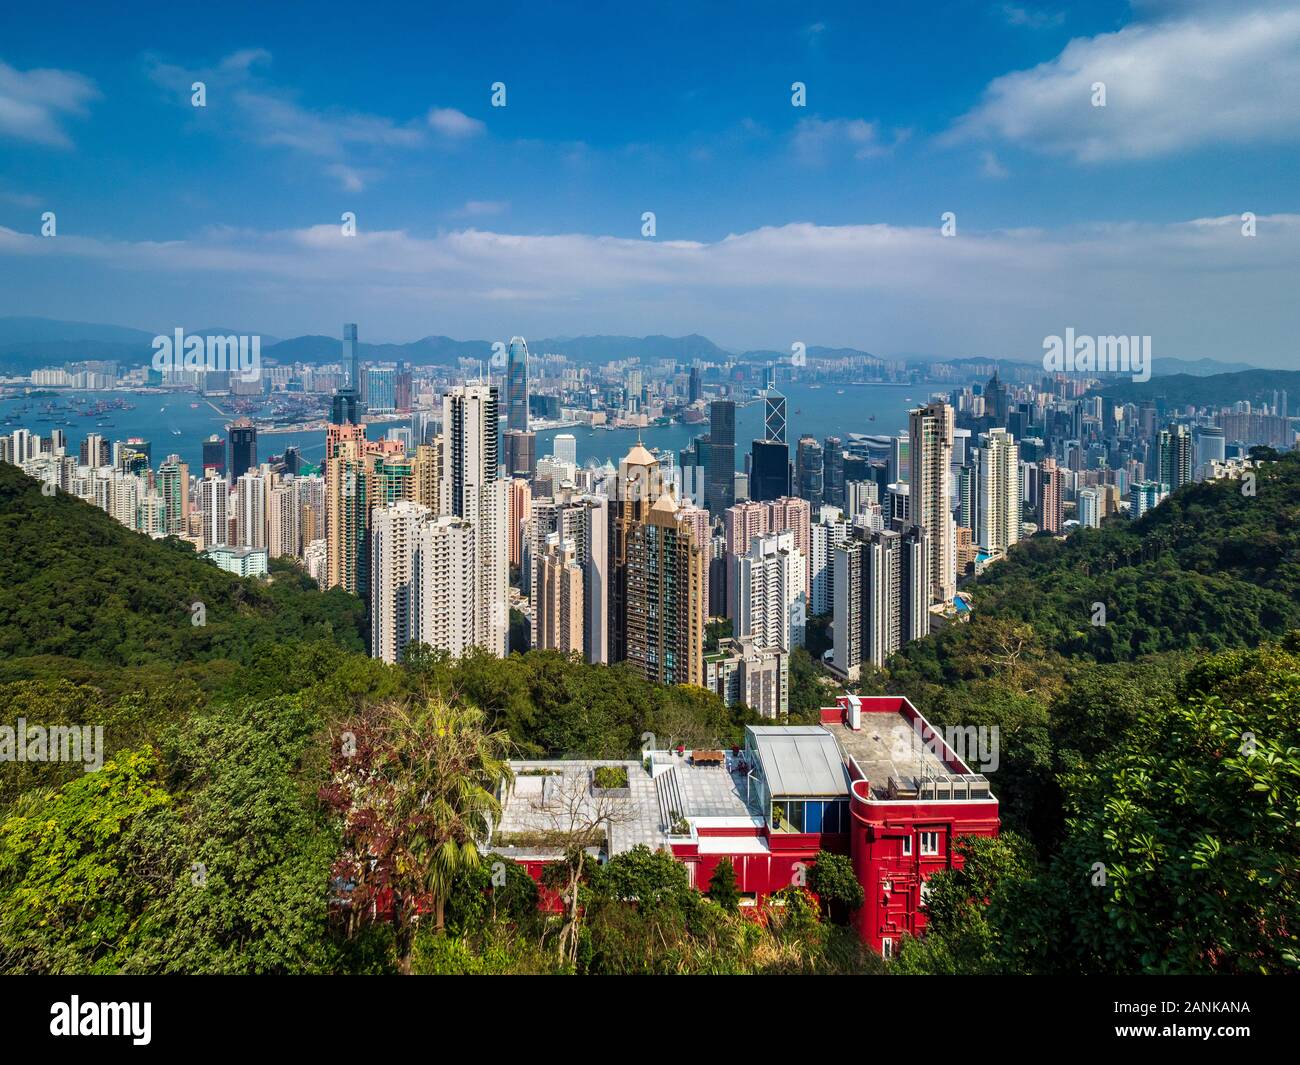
x: 773, y: 222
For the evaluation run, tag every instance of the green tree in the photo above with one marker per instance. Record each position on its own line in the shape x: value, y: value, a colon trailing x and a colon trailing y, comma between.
x: 416, y: 787
x: 836, y: 884
x: 722, y: 885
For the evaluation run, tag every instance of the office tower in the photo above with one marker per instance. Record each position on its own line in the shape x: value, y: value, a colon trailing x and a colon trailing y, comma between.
x: 695, y: 389
x: 1210, y: 446
x: 1175, y: 457
x: 995, y: 402
x: 826, y: 537
x: 859, y: 496
x: 899, y: 459
x: 345, y: 409
x: 1090, y: 508
x: 402, y: 386
x: 774, y: 421
x: 519, y: 509
x: 833, y: 471
x: 520, y: 453
x: 94, y: 451
x: 517, y: 385
x: 998, y: 514
x: 665, y: 597
x: 214, y: 498
x: 1051, y: 501
x: 352, y: 360
x: 381, y: 389
x: 930, y: 493
x: 881, y: 598
x: 720, y: 486
x: 565, y: 448
x: 136, y: 456
x: 243, y: 448
x: 251, y: 515
x: 174, y: 487
x: 559, y: 617
x: 769, y: 470
x: 473, y: 489
x: 771, y: 593
x: 809, y: 474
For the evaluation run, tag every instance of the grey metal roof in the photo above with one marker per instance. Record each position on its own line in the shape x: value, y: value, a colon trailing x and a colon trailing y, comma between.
x: 800, y: 760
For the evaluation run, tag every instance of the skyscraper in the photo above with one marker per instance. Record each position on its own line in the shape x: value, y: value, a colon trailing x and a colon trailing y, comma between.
x: 517, y: 385
x: 381, y: 389
x: 252, y: 523
x: 565, y: 448
x: 881, y: 598
x: 665, y: 597
x: 771, y: 593
x: 809, y: 471
x: 560, y: 614
x: 1175, y: 457
x: 352, y: 360
x: 833, y: 471
x: 174, y: 486
x: 774, y: 423
x: 214, y: 499
x: 998, y: 515
x: 1051, y: 500
x: 769, y: 470
x: 635, y: 489
x: 930, y: 493
x: 423, y: 589
x: 720, y: 487
x: 473, y: 489
x: 243, y: 448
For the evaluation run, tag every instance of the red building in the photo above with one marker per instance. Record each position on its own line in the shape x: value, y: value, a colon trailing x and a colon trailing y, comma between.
x: 873, y: 781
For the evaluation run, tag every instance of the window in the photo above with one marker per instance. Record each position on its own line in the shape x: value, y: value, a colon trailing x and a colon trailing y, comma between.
x: 907, y: 846
x: 929, y: 842
x: 887, y: 949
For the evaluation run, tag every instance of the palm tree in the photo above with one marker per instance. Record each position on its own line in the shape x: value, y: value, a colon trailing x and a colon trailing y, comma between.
x: 456, y: 768
x: 417, y: 791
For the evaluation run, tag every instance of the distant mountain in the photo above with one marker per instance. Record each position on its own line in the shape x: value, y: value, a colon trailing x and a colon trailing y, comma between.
x: 1181, y: 389
x: 47, y: 330
x: 1164, y: 367
x: 606, y: 348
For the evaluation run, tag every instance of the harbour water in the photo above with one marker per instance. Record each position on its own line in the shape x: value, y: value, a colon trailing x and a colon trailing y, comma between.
x: 179, y: 423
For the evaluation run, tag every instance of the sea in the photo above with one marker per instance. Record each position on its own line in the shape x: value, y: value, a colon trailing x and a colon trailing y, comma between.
x: 179, y: 423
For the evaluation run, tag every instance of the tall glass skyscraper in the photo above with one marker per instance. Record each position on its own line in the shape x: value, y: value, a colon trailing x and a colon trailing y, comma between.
x: 517, y: 385
x: 720, y: 486
x: 352, y: 360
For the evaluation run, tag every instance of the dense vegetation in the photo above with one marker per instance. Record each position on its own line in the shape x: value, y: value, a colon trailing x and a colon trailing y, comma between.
x: 1149, y: 770
x: 1181, y: 390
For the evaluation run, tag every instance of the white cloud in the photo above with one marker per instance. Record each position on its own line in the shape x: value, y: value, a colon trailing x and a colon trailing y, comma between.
x: 452, y: 123
x: 817, y: 139
x: 34, y: 103
x: 482, y: 208
x: 1198, y: 287
x: 991, y: 166
x: 1033, y: 18
x: 1170, y: 86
